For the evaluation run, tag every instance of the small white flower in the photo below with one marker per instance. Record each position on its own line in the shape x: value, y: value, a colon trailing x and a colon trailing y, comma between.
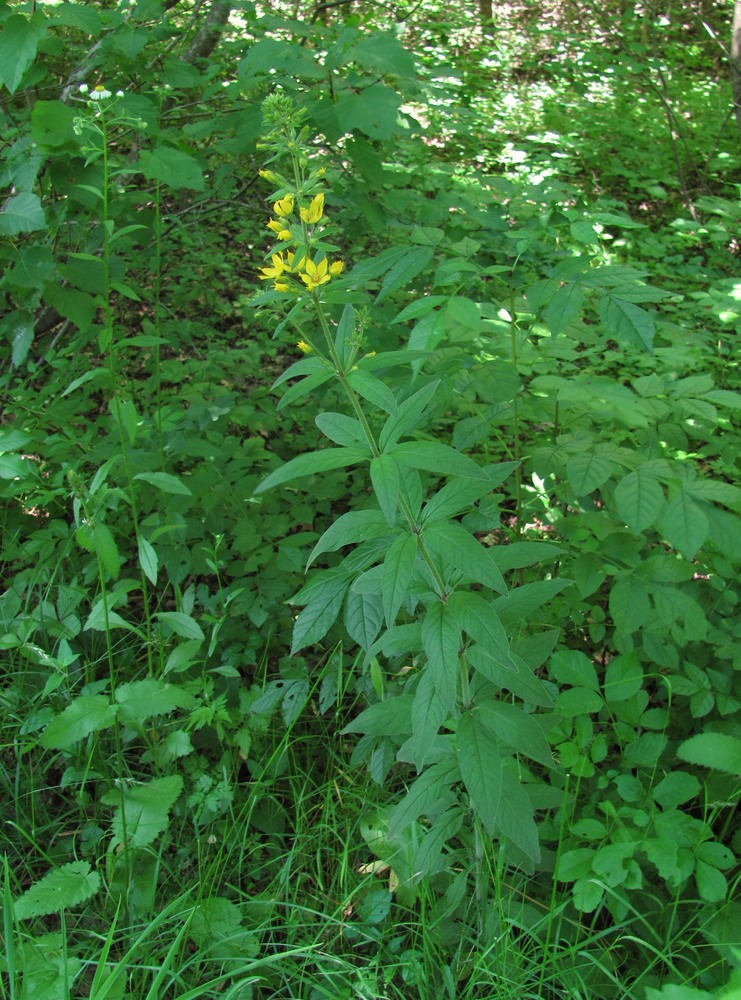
x: 99, y: 93
x: 83, y: 88
x: 119, y: 93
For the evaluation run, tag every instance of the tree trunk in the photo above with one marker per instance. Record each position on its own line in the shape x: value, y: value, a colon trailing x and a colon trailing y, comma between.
x: 487, y: 17
x: 210, y: 32
x: 736, y: 63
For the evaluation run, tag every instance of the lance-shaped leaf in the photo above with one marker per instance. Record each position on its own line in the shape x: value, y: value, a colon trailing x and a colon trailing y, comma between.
x: 391, y: 717
x: 407, y: 416
x: 350, y: 528
x: 384, y: 474
x: 436, y: 457
x: 428, y: 714
x: 398, y: 567
x: 481, y: 767
x: 321, y: 610
x: 515, y: 818
x: 478, y: 618
x: 441, y: 638
x: 311, y: 463
x: 455, y: 546
x: 513, y: 726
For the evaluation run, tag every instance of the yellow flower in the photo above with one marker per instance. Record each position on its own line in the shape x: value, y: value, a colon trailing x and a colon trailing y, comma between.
x: 280, y: 229
x: 284, y: 207
x: 281, y: 286
x: 304, y: 347
x: 279, y: 266
x: 268, y: 175
x: 336, y: 268
x: 315, y: 210
x: 315, y: 275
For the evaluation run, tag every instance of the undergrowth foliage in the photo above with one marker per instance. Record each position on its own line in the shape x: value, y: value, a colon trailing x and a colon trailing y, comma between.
x: 425, y: 680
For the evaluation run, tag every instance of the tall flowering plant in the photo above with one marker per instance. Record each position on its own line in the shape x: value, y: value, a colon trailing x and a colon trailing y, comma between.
x: 417, y: 587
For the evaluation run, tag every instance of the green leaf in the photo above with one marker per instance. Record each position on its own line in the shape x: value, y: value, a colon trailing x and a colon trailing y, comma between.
x: 391, y: 717
x: 428, y: 714
x: 459, y: 494
x: 141, y: 700
x: 515, y: 727
x: 588, y: 471
x: 172, y: 167
x: 639, y: 499
x: 481, y: 767
x: 477, y: 617
x: 441, y: 639
x: 583, y: 232
x: 436, y: 457
x: 563, y: 307
x: 711, y: 884
x: 371, y: 387
x: 411, y: 264
x: 363, y: 618
x: 675, y: 789
x: 517, y: 822
x: 384, y: 473
x: 302, y: 388
x: 146, y: 810
x: 311, y: 463
x: 351, y: 528
x: 684, y: 525
x: 342, y: 430
x: 398, y: 567
x: 423, y: 796
x: 165, y: 482
x: 320, y: 613
x: 578, y: 701
x: 718, y: 751
x: 623, y: 677
x: 22, y: 214
x: 569, y: 666
x: 574, y: 864
x: 408, y: 415
x: 373, y: 111
x: 522, y: 602
x: 23, y: 328
x: 61, y: 889
x: 19, y: 40
x: 181, y: 624
x: 455, y: 546
x: 148, y: 559
x: 87, y: 714
x: 381, y: 53
x: 627, y: 321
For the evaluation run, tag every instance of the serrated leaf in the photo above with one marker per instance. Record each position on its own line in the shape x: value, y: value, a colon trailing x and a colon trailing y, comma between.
x: 146, y: 810
x: 718, y: 751
x: 480, y: 763
x: 684, y: 525
x: 588, y: 471
x: 639, y: 499
x: 22, y: 214
x: 87, y: 714
x: 627, y: 321
x: 141, y: 700
x: 563, y: 307
x: 19, y: 40
x: 172, y: 167
x: 61, y: 889
x: 398, y: 567
x: 310, y: 464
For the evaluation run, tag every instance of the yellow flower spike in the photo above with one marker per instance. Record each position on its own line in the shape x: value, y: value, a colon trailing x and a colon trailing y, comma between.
x: 304, y: 347
x: 315, y: 210
x: 284, y: 207
x: 315, y: 274
x: 337, y: 268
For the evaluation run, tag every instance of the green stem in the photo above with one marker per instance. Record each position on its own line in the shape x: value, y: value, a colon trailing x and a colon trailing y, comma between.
x: 515, y: 419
